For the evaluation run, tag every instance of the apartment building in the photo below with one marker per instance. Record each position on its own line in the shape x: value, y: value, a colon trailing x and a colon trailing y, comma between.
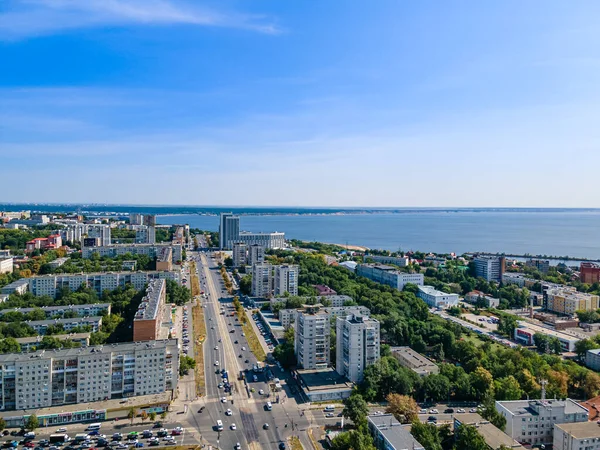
x: 576, y: 436
x: 93, y: 309
x: 357, y: 345
x: 31, y: 343
x: 389, y: 434
x: 413, y: 360
x: 60, y: 377
x: 287, y: 317
x: 531, y: 422
x: 265, y: 240
x: 151, y: 250
x: 262, y: 280
x: 389, y: 275
x: 164, y: 259
x: 145, y: 234
x: 16, y: 287
x: 99, y: 231
x: 240, y: 254
x: 311, y: 343
x: 567, y: 300
x: 400, y: 261
x: 437, y: 299
x: 229, y: 230
x: 40, y: 326
x: 493, y: 437
x: 50, y: 285
x: 514, y: 278
x: 136, y: 219
x: 540, y: 264
x: 489, y: 268
x: 256, y: 254
x: 286, y: 279
x: 592, y: 359
x: 51, y: 242
x: 6, y: 265
x: 149, y: 316
x: 589, y: 272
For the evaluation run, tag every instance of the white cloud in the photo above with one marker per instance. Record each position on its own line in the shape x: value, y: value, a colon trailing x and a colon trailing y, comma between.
x: 31, y: 18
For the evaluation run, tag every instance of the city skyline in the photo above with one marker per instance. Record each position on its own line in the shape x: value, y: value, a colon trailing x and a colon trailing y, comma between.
x: 456, y: 105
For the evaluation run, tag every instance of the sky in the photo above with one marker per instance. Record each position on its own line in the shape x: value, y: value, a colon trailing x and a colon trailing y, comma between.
x: 300, y: 103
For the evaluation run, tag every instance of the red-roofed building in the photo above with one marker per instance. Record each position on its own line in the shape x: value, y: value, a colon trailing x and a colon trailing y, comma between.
x: 593, y: 407
x: 51, y: 242
x: 323, y: 290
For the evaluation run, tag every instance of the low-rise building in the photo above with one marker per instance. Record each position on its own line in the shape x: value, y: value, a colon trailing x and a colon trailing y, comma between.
x: 55, y: 264
x: 149, y: 316
x: 323, y: 290
x: 349, y: 265
x: 31, y: 343
x: 592, y: 359
x: 389, y: 275
x: 477, y: 296
x: 400, y: 261
x: 321, y: 385
x: 493, y: 437
x: 531, y: 422
x: 589, y: 272
x: 265, y: 240
x: 40, y: 326
x: 525, y: 331
x: 437, y: 299
x: 6, y: 264
x: 576, y: 436
x: 53, y: 241
x: 514, y: 278
x: 413, y: 360
x: 539, y: 264
x: 389, y: 434
x: 16, y: 287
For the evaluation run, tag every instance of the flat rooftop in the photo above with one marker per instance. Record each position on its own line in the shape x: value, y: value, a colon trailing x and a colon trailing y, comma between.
x: 580, y: 430
x: 151, y: 303
x: 415, y: 359
x: 322, y: 380
x: 519, y: 407
x: 64, y: 321
x: 62, y: 337
x: 493, y: 436
x: 544, y: 330
x: 394, y: 432
x: 57, y: 308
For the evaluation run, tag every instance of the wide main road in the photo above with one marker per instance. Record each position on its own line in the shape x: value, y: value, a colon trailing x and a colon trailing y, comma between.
x: 232, y: 353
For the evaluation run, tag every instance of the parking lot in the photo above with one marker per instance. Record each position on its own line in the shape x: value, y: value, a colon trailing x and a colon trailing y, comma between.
x: 484, y: 321
x: 267, y: 337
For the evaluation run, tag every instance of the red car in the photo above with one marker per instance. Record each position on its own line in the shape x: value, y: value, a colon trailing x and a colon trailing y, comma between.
x: 29, y: 444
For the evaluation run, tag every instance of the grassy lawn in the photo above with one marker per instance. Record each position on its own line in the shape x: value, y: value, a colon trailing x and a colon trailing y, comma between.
x: 253, y: 342
x: 194, y: 280
x: 295, y: 443
x: 200, y: 335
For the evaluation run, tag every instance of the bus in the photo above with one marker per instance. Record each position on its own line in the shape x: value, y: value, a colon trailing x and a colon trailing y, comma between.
x: 61, y: 438
x: 93, y: 426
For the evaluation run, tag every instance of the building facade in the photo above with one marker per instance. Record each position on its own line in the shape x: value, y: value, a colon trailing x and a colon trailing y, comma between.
x: 151, y: 250
x: 164, y: 259
x: 400, y: 261
x: 592, y: 359
x: 53, y: 378
x: 389, y: 275
x: 389, y: 434
x: 265, y: 240
x: 437, y: 299
x: 286, y: 279
x: 576, y: 436
x: 145, y: 234
x: 149, y: 316
x: 54, y: 312
x: 489, y: 268
x: 262, y: 280
x: 589, y: 273
x: 311, y: 343
x: 229, y: 230
x: 357, y: 345
x: 6, y: 265
x: 256, y: 254
x: 567, y: 300
x: 413, y: 360
x: 525, y: 332
x: 240, y: 254
x: 540, y: 264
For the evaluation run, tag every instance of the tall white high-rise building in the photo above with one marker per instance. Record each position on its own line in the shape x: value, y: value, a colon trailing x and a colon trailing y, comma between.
x: 311, y: 343
x: 229, y: 230
x: 286, y: 280
x: 357, y: 345
x: 262, y: 280
x: 99, y: 231
x: 136, y: 219
x: 256, y: 254
x: 240, y: 254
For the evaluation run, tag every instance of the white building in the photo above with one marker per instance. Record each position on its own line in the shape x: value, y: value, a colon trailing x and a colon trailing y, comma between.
x: 357, y: 345
x: 256, y: 254
x: 389, y: 434
x: 61, y: 377
x: 92, y: 309
x: 16, y: 287
x: 437, y: 299
x: 266, y: 240
x: 136, y: 219
x: 145, y: 234
x: 592, y: 359
x: 286, y: 279
x: 489, y: 268
x: 311, y: 343
x: 229, y: 230
x: 262, y: 280
x: 400, y: 261
x: 514, y: 278
x: 576, y: 436
x: 525, y: 331
x: 54, y: 264
x: 240, y: 254
x: 287, y: 317
x: 389, y: 275
x: 6, y: 265
x: 152, y: 250
x: 349, y: 265
x: 50, y: 285
x: 101, y: 232
x: 532, y: 421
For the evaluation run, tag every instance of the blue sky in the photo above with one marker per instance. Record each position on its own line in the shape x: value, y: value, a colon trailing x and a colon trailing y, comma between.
x: 349, y: 103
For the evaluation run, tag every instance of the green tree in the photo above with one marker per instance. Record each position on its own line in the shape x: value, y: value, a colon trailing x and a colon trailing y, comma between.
x: 32, y: 422
x: 427, y: 435
x: 185, y: 364
x: 435, y: 387
x: 246, y: 284
x: 403, y: 407
x: 467, y: 437
x: 507, y: 388
x: 482, y: 382
x: 2, y: 423
x: 507, y: 325
x: 356, y: 409
x: 490, y: 413
x: 132, y: 414
x: 163, y: 415
x: 582, y: 346
x: 152, y: 416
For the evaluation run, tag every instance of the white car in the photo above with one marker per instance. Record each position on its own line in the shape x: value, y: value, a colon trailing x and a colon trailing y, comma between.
x: 229, y: 412
x: 433, y: 411
x: 233, y: 427
x: 244, y: 348
x: 216, y: 347
x: 460, y: 410
x: 223, y: 399
x: 216, y: 363
x: 422, y: 411
x: 261, y: 392
x: 238, y: 446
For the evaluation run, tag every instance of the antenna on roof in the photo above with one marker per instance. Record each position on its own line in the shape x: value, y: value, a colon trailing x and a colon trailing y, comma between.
x: 543, y: 383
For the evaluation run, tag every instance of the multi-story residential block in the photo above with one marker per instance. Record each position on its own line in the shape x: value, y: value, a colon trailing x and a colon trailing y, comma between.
x: 514, y: 278
x: 416, y: 362
x: 50, y: 285
x: 51, y: 242
x: 164, y: 259
x: 542, y: 265
x: 333, y: 301
x: 40, y: 326
x: 576, y: 436
x: 357, y: 345
x: 229, y: 230
x: 437, y: 299
x: 149, y: 316
x: 99, y: 231
x: 179, y: 234
x: 400, y: 261
x: 31, y: 343
x: 287, y: 317
x: 389, y: 275
x: 525, y: 332
x: 54, y: 312
x: 389, y: 434
x: 592, y: 359
x: 256, y: 254
x: 489, y: 268
x: 266, y: 240
x: 531, y: 422
x: 240, y: 254
x: 136, y: 219
x: 286, y: 279
x: 6, y: 265
x: 262, y: 280
x: 60, y: 377
x: 151, y: 250
x: 567, y: 300
x: 145, y: 234
x: 16, y: 287
x: 311, y: 343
